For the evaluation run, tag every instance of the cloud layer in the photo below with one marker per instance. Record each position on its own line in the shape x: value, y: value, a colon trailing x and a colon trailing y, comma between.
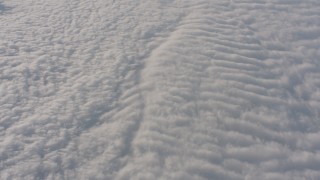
x: 160, y: 90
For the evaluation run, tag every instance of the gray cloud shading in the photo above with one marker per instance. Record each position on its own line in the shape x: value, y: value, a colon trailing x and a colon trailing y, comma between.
x: 160, y: 90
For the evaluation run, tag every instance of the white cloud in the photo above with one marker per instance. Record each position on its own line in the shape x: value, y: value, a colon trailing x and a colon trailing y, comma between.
x: 159, y: 90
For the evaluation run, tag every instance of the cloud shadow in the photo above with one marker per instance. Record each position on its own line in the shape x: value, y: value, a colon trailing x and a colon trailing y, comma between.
x: 4, y: 8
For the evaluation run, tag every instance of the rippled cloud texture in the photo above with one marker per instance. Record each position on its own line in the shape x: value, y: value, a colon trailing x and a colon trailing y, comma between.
x: 163, y: 89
